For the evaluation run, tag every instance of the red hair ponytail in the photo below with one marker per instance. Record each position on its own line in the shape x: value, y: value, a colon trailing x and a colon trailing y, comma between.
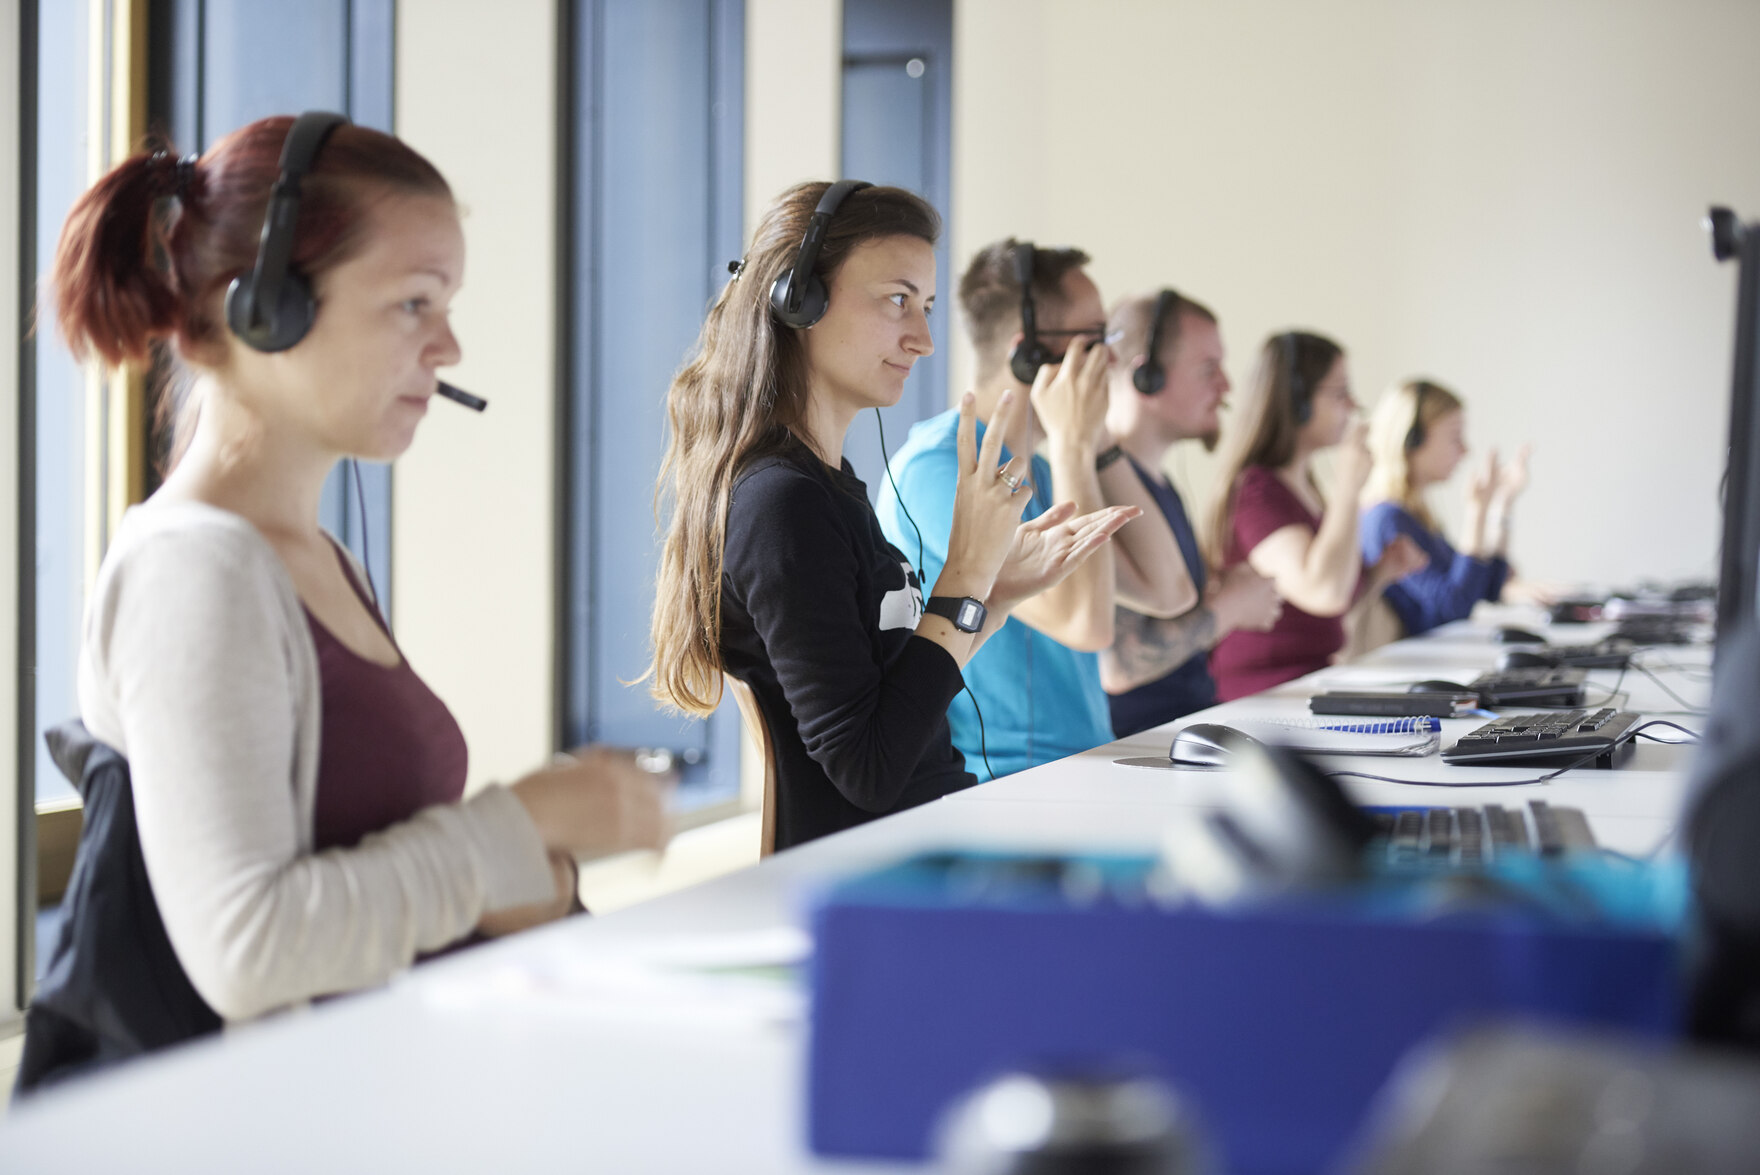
x: 112, y: 295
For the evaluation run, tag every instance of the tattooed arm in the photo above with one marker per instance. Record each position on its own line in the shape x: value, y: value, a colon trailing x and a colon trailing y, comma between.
x: 1146, y: 648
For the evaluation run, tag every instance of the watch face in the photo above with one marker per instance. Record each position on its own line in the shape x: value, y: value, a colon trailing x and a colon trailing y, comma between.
x: 971, y: 615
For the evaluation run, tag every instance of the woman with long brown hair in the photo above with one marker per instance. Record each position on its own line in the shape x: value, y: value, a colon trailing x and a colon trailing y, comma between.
x: 775, y: 570
x: 298, y: 789
x: 1271, y: 514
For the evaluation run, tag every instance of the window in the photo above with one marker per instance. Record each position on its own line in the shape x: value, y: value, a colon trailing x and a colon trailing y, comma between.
x: 656, y: 178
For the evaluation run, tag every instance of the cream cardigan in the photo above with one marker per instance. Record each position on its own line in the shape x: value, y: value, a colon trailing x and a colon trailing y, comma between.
x: 198, y: 666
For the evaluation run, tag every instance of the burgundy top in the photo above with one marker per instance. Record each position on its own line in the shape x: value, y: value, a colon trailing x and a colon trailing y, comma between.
x: 1246, y: 662
x: 389, y: 746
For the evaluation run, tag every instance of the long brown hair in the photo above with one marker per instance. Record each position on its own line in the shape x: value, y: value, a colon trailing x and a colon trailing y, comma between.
x: 147, y: 252
x: 1268, y: 422
x: 740, y: 397
x: 1406, y: 411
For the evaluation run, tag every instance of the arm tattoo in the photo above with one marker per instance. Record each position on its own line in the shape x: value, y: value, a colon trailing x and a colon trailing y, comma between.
x: 1145, y: 648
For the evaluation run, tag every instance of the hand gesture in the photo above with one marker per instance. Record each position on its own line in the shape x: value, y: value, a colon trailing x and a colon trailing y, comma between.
x: 1244, y: 599
x: 1071, y: 397
x: 1400, y: 558
x: 1482, y: 483
x: 596, y: 800
x: 1350, y: 472
x: 986, y: 507
x: 1513, y: 478
x: 1051, y: 546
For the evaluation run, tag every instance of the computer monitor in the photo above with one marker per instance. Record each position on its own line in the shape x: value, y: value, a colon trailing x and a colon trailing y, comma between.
x: 1739, y: 574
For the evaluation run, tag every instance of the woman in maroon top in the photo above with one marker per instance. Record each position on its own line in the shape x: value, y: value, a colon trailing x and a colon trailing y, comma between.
x: 1273, y: 516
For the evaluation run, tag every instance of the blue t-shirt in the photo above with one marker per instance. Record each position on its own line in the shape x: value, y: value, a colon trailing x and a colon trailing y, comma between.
x: 1189, y: 688
x: 1040, y: 700
x: 1444, y: 591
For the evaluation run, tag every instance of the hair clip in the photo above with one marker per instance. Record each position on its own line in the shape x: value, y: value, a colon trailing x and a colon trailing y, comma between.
x: 186, y: 175
x: 736, y: 267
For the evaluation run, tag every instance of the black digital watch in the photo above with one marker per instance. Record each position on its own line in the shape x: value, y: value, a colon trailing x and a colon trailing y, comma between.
x: 967, y: 614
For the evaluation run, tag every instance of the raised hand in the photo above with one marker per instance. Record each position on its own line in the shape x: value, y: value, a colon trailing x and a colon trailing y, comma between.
x: 1071, y: 397
x: 1350, y: 471
x: 1244, y: 599
x: 1400, y: 558
x: 986, y: 505
x: 1051, y: 546
x: 1483, y: 482
x: 1513, y: 478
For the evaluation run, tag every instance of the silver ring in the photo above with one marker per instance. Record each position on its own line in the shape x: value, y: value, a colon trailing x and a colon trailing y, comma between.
x: 1013, y: 483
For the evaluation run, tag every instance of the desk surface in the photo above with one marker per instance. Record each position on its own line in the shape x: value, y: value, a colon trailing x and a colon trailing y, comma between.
x: 496, y: 1060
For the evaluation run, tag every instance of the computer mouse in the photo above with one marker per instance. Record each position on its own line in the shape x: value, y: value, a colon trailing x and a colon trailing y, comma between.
x: 1522, y: 659
x: 1434, y: 686
x: 1519, y: 636
x: 1207, y: 744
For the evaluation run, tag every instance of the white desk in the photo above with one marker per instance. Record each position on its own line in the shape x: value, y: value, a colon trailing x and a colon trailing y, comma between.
x: 451, y: 1070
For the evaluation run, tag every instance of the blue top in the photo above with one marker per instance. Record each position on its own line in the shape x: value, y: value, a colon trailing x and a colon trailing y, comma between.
x: 1189, y: 687
x: 1444, y: 591
x: 1040, y: 700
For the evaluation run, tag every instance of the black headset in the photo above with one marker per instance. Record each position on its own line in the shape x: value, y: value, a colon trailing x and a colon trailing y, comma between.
x: 1149, y: 378
x: 1029, y: 354
x: 798, y: 297
x: 1415, y: 434
x: 1300, y: 396
x: 271, y: 308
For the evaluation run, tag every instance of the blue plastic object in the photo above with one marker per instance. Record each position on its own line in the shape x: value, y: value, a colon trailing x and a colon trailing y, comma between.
x: 1278, y: 1022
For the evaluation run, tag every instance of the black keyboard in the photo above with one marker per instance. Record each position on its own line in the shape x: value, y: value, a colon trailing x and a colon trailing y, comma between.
x: 1467, y: 837
x: 1545, y: 739
x: 1609, y: 654
x: 1655, y: 630
x: 1530, y: 687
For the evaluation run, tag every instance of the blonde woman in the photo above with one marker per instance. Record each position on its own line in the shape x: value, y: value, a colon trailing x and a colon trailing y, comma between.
x: 1417, y: 437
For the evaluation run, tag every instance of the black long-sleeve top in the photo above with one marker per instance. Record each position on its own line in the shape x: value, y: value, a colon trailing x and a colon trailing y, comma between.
x: 818, y: 616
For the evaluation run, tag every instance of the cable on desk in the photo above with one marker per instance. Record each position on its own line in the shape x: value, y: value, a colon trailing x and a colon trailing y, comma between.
x: 1693, y: 736
x: 1687, y: 707
x: 1690, y: 672
x: 1547, y: 778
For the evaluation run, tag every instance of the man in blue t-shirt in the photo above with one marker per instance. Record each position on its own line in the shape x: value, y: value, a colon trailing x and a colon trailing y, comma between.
x: 1167, y: 384
x: 1036, y: 323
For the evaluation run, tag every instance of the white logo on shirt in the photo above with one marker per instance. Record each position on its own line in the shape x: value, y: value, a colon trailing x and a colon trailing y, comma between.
x: 902, y: 608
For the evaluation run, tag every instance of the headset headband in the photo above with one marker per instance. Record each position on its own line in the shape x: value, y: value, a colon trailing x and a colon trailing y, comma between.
x: 1415, y: 434
x: 1023, y: 272
x: 1149, y: 378
x: 794, y: 294
x: 299, y: 152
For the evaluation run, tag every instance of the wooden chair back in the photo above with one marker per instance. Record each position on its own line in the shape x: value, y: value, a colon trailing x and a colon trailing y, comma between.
x: 753, y: 717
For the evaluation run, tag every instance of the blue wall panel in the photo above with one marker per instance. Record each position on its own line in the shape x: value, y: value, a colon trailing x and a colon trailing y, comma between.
x: 656, y: 177
x: 897, y: 129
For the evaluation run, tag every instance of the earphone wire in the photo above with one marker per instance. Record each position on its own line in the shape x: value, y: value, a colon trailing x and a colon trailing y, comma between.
x: 360, y: 502
x: 886, y: 459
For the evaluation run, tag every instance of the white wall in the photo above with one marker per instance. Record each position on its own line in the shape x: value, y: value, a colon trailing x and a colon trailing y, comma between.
x: 10, y: 120
x: 794, y: 89
x: 474, y: 559
x: 1504, y: 194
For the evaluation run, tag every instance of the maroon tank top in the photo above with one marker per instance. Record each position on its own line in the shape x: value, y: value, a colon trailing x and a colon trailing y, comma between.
x: 389, y: 746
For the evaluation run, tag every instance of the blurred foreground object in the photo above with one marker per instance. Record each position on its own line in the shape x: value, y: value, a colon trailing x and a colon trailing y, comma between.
x: 1522, y: 1101
x: 1032, y: 1124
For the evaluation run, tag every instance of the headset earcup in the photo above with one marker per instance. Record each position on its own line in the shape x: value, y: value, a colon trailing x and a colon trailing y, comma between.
x: 815, y: 298
x: 286, y: 326
x: 1148, y: 379
x: 1025, y: 361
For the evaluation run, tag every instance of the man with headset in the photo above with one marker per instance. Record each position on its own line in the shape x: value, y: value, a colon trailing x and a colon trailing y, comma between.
x: 1034, y: 692
x: 1167, y: 386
